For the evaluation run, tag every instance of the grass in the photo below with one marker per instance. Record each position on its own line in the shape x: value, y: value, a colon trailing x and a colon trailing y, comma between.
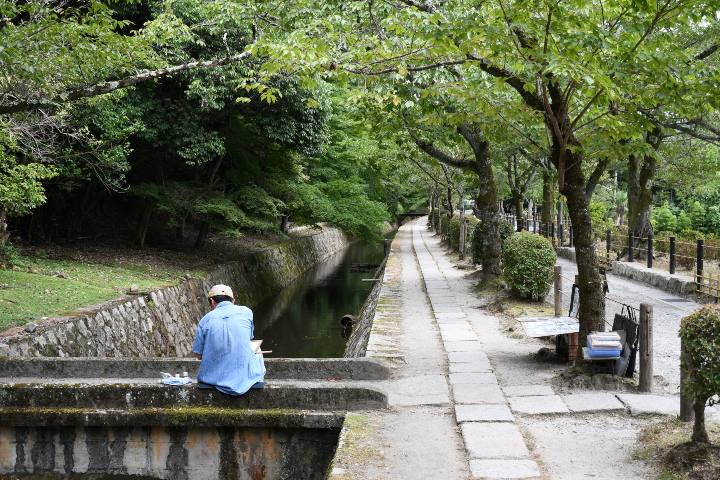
x: 38, y: 287
x: 665, y: 445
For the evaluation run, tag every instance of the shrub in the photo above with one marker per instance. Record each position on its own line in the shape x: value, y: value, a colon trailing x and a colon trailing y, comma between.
x: 696, y: 211
x: 528, y: 262
x: 700, y: 335
x: 663, y: 219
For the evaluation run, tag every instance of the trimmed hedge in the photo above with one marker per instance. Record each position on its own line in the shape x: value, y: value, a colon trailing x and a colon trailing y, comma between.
x: 528, y: 262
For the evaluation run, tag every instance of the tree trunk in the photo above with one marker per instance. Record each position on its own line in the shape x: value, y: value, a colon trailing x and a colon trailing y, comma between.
x: 519, y: 214
x: 548, y: 212
x: 699, y: 434
x: 489, y: 215
x: 4, y: 234
x: 143, y: 226
x: 202, y: 235
x: 640, y: 196
x: 592, y: 302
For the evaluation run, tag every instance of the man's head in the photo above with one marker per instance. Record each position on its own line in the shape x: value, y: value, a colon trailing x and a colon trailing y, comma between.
x: 220, y: 293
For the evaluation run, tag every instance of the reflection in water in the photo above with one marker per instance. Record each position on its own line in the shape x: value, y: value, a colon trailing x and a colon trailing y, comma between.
x: 303, y: 320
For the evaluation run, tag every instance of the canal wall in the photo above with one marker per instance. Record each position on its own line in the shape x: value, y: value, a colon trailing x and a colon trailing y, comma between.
x: 163, y: 321
x: 159, y: 452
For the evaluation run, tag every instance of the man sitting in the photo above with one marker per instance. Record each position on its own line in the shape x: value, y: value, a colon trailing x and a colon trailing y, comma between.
x: 222, y: 343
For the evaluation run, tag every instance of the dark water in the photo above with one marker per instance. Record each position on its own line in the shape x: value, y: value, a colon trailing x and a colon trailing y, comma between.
x: 303, y: 320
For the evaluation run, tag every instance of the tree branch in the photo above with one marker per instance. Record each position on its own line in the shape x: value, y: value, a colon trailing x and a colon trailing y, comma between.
x: 595, y: 177
x: 708, y: 51
x: 441, y: 156
x: 110, y: 86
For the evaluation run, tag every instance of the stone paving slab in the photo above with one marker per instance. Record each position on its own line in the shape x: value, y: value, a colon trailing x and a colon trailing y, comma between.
x: 419, y: 390
x: 468, y: 357
x: 527, y: 390
x: 640, y: 404
x: 477, y: 394
x: 497, y: 440
x: 469, y: 367
x: 486, y: 378
x: 537, y: 405
x: 483, y: 413
x: 463, y: 346
x: 504, y: 469
x: 457, y: 336
x: 592, y: 402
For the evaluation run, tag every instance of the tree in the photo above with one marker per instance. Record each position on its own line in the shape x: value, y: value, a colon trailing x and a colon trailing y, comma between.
x: 700, y: 336
x: 519, y: 181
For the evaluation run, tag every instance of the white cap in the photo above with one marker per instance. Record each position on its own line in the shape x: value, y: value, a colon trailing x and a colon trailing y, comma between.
x: 221, y: 290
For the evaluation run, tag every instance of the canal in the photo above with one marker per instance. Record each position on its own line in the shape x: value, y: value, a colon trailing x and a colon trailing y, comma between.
x: 303, y: 320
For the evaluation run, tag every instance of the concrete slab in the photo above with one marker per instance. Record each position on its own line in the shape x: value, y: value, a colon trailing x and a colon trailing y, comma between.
x: 486, y: 378
x: 538, y: 405
x: 483, y: 413
x: 477, y: 394
x: 457, y: 336
x: 463, y: 346
x: 650, y: 404
x: 527, y: 390
x: 468, y: 357
x: 505, y: 469
x: 419, y: 390
x: 497, y: 440
x: 592, y: 402
x: 469, y: 367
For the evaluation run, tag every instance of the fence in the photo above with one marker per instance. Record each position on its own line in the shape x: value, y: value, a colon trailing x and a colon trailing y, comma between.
x: 692, y: 256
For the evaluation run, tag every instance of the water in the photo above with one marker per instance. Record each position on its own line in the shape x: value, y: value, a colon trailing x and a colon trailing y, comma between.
x: 303, y: 320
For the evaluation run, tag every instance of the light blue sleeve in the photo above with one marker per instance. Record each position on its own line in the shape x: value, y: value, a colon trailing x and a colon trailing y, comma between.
x: 199, y: 343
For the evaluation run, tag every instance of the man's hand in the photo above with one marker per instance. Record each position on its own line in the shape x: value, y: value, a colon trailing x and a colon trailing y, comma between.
x: 198, y: 356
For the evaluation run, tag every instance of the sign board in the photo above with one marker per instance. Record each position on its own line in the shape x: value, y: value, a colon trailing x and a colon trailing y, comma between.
x: 548, y: 326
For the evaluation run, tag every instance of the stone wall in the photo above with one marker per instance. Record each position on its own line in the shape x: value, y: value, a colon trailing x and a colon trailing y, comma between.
x: 163, y: 322
x: 159, y: 452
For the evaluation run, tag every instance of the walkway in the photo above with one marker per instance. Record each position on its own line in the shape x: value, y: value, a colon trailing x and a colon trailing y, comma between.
x: 468, y: 401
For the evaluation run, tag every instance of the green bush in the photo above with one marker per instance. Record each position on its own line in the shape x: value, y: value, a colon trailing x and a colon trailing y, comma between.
x: 476, y: 247
x: 700, y: 335
x: 663, y: 219
x: 528, y: 262
x: 696, y: 211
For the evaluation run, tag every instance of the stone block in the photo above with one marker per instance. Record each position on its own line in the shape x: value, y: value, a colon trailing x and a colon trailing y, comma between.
x: 485, y: 378
x: 498, y: 440
x: 483, y: 413
x: 477, y: 394
x: 505, y: 469
x: 592, y: 402
x: 527, y: 390
x: 468, y: 357
x: 640, y: 404
x: 463, y: 346
x: 538, y: 405
x: 469, y: 367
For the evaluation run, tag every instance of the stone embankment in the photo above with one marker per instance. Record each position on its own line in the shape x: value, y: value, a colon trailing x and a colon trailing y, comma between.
x: 162, y: 322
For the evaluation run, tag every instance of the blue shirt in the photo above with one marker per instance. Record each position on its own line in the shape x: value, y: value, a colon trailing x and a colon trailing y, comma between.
x: 223, y: 339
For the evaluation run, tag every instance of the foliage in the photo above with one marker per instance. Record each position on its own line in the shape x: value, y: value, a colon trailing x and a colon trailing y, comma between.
x: 21, y: 188
x: 528, y: 261
x: 700, y: 334
x: 600, y: 215
x: 663, y: 219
